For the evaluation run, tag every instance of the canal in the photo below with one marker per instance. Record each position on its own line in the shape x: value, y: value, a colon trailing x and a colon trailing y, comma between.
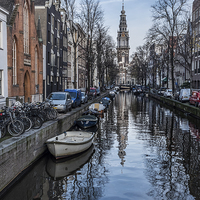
x: 142, y: 150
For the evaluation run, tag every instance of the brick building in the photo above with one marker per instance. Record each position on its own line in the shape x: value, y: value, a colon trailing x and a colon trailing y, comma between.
x: 24, y: 52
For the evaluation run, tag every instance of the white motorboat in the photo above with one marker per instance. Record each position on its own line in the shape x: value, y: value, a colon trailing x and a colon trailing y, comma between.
x: 70, y: 143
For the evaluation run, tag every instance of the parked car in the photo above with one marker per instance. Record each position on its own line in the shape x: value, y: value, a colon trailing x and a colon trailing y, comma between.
x: 168, y: 93
x: 93, y: 93
x: 161, y: 91
x: 84, y: 97
x: 184, y: 95
x: 76, y: 97
x: 195, y: 98
x: 62, y: 101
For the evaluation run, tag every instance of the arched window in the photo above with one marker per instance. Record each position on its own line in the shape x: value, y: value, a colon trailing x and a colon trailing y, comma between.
x: 36, y: 67
x: 14, y: 57
x: 26, y: 28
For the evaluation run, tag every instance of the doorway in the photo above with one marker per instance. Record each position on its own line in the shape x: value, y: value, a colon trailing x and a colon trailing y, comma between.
x: 27, y: 89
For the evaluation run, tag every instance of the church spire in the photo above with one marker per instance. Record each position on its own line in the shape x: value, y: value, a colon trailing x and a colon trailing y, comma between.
x: 123, y: 11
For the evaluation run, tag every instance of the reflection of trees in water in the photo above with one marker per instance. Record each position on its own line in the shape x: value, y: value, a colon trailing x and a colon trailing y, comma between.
x: 167, y: 145
x: 85, y: 183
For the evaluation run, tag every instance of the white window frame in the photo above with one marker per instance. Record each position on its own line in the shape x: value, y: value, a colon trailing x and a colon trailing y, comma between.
x: 36, y: 66
x: 1, y: 35
x: 14, y: 59
x: 26, y: 28
x: 1, y: 82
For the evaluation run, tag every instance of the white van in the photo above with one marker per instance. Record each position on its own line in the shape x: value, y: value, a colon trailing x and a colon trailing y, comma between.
x: 184, y: 95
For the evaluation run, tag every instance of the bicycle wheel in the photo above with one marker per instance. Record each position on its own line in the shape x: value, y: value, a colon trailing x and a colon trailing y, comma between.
x: 15, y: 128
x: 3, y: 131
x: 51, y: 113
x: 37, y: 122
x: 27, y: 123
x: 54, y: 113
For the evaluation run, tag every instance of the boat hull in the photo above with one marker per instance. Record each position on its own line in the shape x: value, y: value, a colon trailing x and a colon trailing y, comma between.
x: 70, y: 143
x: 86, y: 124
x: 87, y: 121
x: 58, y: 169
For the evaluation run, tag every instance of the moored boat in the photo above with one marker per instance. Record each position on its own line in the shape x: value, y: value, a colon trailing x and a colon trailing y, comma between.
x: 98, y: 107
x: 87, y: 121
x: 70, y: 143
x: 58, y: 169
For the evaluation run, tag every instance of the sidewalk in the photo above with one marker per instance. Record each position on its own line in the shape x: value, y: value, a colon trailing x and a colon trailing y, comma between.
x: 18, y: 153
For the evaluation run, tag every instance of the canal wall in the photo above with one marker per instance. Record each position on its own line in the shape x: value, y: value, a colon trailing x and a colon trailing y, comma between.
x: 18, y: 153
x: 184, y: 107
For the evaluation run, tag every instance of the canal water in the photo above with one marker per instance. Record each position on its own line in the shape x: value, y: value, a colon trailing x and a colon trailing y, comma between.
x: 142, y: 150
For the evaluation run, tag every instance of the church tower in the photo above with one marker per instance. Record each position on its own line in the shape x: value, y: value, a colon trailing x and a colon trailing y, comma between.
x: 123, y: 39
x: 123, y: 49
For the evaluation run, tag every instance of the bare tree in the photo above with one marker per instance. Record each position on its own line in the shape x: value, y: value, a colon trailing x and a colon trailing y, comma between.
x: 109, y: 63
x: 90, y: 16
x: 72, y: 29
x: 101, y: 36
x: 185, y: 48
x: 168, y: 25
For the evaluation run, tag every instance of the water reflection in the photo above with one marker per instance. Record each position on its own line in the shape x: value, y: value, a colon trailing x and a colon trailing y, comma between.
x: 58, y: 169
x: 142, y: 150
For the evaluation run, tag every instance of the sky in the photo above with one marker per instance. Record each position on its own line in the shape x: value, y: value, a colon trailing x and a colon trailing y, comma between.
x: 138, y: 16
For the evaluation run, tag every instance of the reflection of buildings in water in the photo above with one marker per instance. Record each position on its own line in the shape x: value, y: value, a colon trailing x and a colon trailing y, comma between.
x: 194, y: 131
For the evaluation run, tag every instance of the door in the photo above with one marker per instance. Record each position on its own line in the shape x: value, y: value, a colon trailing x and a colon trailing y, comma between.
x: 27, y: 87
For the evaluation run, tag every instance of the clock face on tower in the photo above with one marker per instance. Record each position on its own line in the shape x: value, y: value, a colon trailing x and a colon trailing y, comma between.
x: 123, y: 34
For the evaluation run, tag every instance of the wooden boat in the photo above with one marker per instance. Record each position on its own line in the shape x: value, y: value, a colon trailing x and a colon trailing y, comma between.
x: 87, y: 121
x: 57, y: 169
x: 69, y: 143
x: 97, y: 106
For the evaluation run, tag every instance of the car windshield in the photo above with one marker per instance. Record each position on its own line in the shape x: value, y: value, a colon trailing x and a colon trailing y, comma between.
x: 92, y: 90
x: 56, y: 96
x: 186, y: 92
x: 73, y: 94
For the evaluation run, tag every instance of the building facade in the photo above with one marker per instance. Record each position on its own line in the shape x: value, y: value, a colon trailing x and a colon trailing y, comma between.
x: 24, y: 52
x: 196, y: 57
x: 3, y: 55
x: 52, y: 34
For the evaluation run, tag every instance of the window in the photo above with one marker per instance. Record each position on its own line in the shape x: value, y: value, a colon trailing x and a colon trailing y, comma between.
x: 58, y: 62
x: 52, y: 24
x: 58, y: 29
x: 52, y: 59
x: 199, y: 67
x: 49, y: 58
x: 52, y: 37
x: 14, y: 57
x: 26, y: 29
x: 1, y: 82
x: 47, y: 79
x: 36, y: 67
x: 1, y: 36
x: 196, y: 67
